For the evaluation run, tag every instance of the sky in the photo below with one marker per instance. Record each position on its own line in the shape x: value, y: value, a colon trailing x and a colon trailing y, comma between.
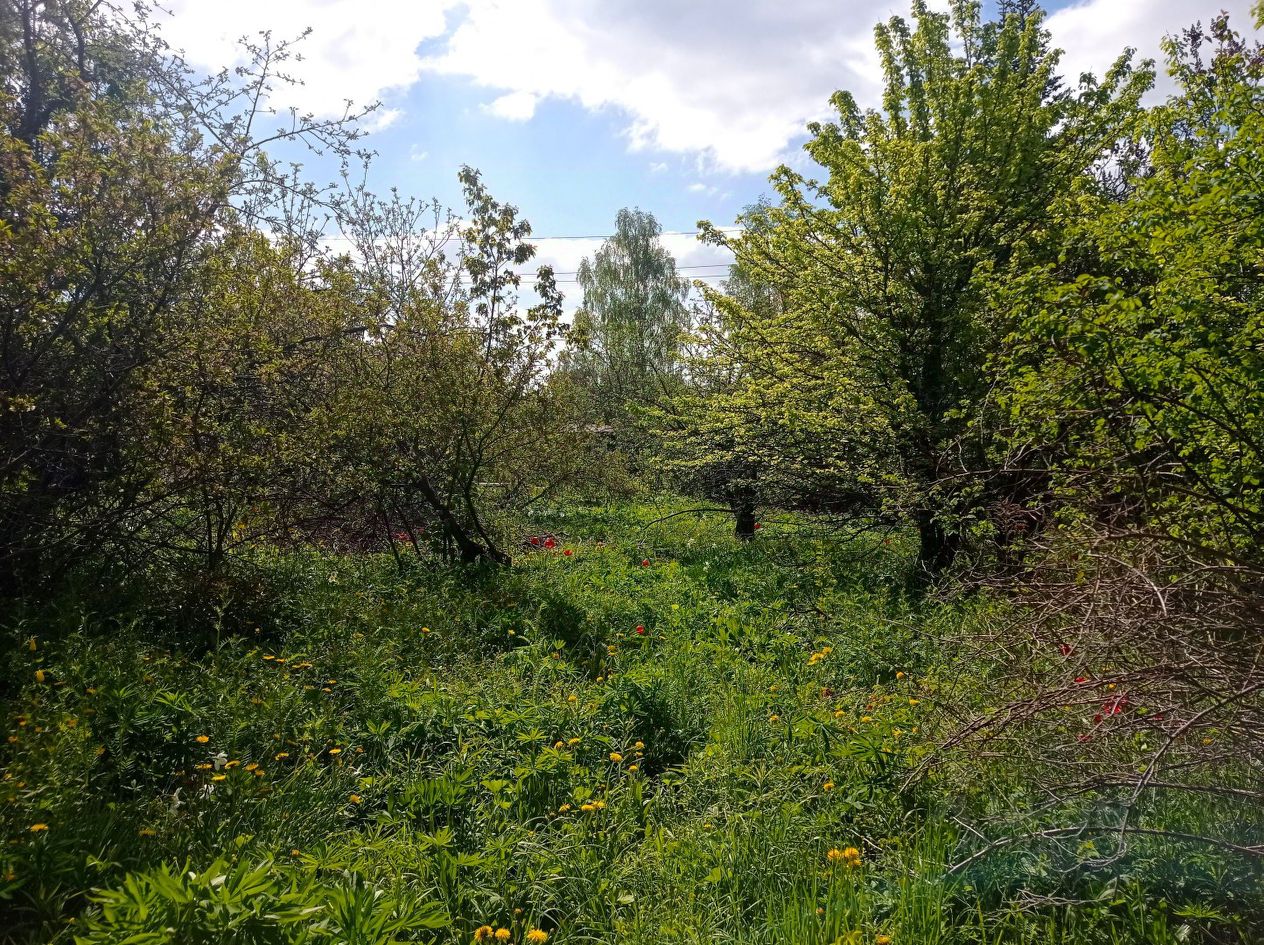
x: 573, y: 109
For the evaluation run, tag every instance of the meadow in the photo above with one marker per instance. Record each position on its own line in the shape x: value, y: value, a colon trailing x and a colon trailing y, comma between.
x: 645, y: 731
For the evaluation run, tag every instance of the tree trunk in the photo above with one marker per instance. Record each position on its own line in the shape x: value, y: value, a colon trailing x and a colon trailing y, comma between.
x: 469, y: 549
x: 744, y: 529
x: 936, y: 551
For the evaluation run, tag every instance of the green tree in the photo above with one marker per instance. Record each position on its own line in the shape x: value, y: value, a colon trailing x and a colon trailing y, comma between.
x: 864, y: 379
x: 626, y: 342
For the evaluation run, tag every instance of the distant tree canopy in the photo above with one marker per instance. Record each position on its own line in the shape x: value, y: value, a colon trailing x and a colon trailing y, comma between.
x: 627, y: 336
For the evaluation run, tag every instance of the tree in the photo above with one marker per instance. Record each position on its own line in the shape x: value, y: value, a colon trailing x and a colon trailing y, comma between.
x: 627, y: 334
x: 864, y: 381
x: 1133, y: 387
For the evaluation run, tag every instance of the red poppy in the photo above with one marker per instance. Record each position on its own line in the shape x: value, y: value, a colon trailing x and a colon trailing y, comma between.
x: 640, y: 630
x: 568, y: 552
x: 1066, y: 649
x: 1081, y: 679
x: 535, y: 540
x: 758, y: 526
x: 550, y: 543
x: 645, y: 562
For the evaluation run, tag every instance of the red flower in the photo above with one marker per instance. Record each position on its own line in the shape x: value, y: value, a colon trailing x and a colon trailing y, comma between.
x: 1066, y: 649
x: 758, y: 526
x: 1081, y: 679
x: 568, y: 552
x: 645, y: 562
x: 640, y: 629
x: 1097, y: 718
x: 535, y: 540
x: 549, y: 542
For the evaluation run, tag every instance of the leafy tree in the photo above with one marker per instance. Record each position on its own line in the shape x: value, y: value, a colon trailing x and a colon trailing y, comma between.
x: 626, y: 343
x: 861, y: 383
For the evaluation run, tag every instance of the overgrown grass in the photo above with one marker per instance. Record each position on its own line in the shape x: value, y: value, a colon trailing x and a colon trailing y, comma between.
x: 362, y: 755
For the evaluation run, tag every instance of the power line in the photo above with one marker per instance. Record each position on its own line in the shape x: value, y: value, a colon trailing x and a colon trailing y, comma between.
x: 596, y: 236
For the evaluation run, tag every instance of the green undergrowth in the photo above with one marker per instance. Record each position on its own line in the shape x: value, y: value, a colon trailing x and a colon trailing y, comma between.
x: 351, y: 752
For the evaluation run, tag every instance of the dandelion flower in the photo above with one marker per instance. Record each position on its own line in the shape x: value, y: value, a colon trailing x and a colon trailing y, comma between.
x: 148, y: 832
x: 774, y: 718
x: 573, y: 741
x: 202, y: 739
x: 913, y: 702
x: 537, y: 936
x: 631, y: 768
x: 504, y: 935
x: 38, y: 828
x: 335, y: 751
x: 218, y: 777
x: 355, y: 798
x: 615, y: 757
x: 639, y: 745
x: 483, y: 933
x: 882, y: 940
x: 39, y: 675
x: 900, y: 674
x: 834, y: 855
x: 866, y: 718
x: 828, y: 786
x: 587, y: 808
x: 281, y: 755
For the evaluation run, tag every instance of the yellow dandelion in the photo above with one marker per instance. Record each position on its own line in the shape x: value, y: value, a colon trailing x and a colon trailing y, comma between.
x: 147, y: 832
x: 828, y: 786
x: 206, y: 767
x: 913, y: 702
x: 839, y: 713
x: 866, y: 718
x: 250, y: 767
x: 615, y: 757
x: 573, y: 741
x: 587, y: 808
x: 335, y: 751
x: 639, y: 745
x: 537, y: 936
x: 774, y: 718
x: 852, y: 856
x: 559, y: 744
x: 232, y: 764
x: 39, y: 675
x: 572, y: 698
x: 259, y: 772
x: 834, y: 855
x: 281, y: 755
x: 503, y: 935
x: 882, y: 940
x: 900, y: 674
x: 218, y: 777
x: 483, y: 933
x: 38, y: 828
x: 355, y: 798
x: 632, y: 768
x: 564, y: 808
x: 600, y: 805
x: 202, y: 739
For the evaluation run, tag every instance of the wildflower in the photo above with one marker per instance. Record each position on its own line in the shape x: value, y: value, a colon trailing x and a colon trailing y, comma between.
x: 1066, y: 649
x: 600, y: 805
x: 39, y: 675
x: 504, y: 935
x: 913, y: 702
x: 483, y: 933
x: 774, y: 718
x: 250, y: 767
x: 587, y: 808
x: 632, y: 768
x: 1081, y: 680
x: 335, y: 751
x: 564, y: 808
x: 232, y: 764
x: 834, y: 855
x: 758, y: 526
x: 281, y: 755
x: 645, y: 562
x: 900, y: 674
x: 828, y: 786
x: 425, y: 629
x: 573, y: 741
x: 31, y: 644
x: 568, y: 553
x: 259, y: 772
x: 550, y: 543
x: 537, y: 936
x: 355, y: 798
x: 572, y: 698
x: 207, y: 767
x: 866, y: 718
x: 218, y: 777
x: 202, y: 739
x: 640, y: 629
x: 535, y: 540
x: 559, y: 744
x: 882, y: 940
x: 615, y: 757
x: 147, y: 832
x: 852, y: 855
x: 38, y: 828
x: 639, y: 745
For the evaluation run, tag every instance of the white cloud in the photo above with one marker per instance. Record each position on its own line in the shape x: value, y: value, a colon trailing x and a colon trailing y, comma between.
x: 1092, y: 33
x: 513, y: 106
x: 729, y: 84
x: 354, y: 52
